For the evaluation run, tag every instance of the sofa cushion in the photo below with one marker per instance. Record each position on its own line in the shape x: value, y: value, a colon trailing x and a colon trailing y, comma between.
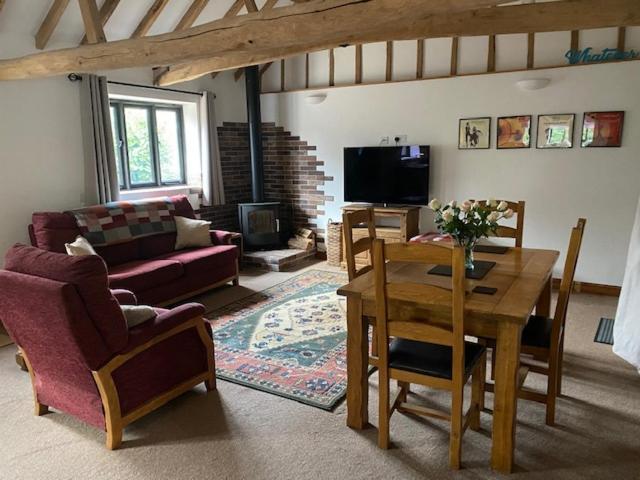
x: 207, y: 259
x: 120, y: 252
x: 182, y: 206
x: 53, y: 229
x: 156, y: 245
x: 142, y: 275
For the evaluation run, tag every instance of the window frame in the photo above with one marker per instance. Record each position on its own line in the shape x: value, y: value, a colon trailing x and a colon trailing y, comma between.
x: 121, y: 134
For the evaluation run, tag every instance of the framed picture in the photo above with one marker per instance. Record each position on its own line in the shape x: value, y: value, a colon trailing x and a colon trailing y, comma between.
x: 514, y: 132
x: 602, y: 129
x: 555, y: 131
x: 474, y: 133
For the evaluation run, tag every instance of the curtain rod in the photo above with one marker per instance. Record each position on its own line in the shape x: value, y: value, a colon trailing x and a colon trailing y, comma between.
x: 74, y: 77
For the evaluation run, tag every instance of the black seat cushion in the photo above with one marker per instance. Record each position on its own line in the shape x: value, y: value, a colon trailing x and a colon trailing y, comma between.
x: 537, y: 332
x: 429, y: 358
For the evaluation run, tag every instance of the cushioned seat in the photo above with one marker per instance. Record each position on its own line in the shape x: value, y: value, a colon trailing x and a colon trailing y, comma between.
x: 203, y: 260
x: 429, y: 358
x: 142, y: 275
x: 537, y: 333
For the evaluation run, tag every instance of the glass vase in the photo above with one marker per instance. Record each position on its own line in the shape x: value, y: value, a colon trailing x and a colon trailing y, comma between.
x: 468, y: 255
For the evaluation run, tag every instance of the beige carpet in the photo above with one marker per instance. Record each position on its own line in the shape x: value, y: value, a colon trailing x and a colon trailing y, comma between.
x: 245, y: 434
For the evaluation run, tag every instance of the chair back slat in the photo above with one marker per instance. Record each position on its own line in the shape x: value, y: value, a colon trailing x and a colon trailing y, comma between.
x: 447, y: 326
x: 510, y: 232
x: 566, y: 284
x: 363, y: 218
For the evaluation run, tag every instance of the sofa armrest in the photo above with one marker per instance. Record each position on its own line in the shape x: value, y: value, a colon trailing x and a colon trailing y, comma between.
x: 124, y: 297
x: 220, y: 237
x: 161, y: 324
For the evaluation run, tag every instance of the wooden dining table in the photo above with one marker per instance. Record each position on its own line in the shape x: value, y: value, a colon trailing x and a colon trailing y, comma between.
x: 522, y: 277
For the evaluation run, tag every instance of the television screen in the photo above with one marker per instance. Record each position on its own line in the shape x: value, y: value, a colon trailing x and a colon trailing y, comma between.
x: 388, y: 175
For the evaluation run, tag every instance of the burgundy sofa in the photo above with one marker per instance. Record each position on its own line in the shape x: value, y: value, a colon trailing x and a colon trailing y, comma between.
x: 149, y: 266
x: 82, y: 358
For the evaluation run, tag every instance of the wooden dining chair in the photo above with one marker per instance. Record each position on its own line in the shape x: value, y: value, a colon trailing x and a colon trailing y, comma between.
x: 363, y: 219
x: 506, y: 232
x: 511, y: 232
x: 543, y: 338
x: 430, y: 351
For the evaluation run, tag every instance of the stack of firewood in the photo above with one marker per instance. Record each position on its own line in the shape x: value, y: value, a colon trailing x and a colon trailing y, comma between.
x: 304, y: 239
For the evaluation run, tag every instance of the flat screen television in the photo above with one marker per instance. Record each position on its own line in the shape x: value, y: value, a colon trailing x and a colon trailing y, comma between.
x: 389, y: 175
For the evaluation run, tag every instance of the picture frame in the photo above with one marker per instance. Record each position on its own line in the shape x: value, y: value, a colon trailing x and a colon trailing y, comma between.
x: 474, y: 133
x: 555, y: 131
x: 602, y: 129
x: 513, y: 132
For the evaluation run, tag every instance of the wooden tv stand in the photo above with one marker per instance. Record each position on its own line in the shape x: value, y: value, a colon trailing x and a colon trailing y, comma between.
x: 409, y: 218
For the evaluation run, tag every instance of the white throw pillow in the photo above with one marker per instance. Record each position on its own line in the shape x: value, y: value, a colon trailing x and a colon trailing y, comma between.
x: 80, y: 246
x: 192, y: 233
x: 137, y: 314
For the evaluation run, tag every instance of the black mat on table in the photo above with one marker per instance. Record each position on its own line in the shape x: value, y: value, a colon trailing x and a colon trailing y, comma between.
x: 604, y: 334
x: 480, y: 270
x: 491, y: 249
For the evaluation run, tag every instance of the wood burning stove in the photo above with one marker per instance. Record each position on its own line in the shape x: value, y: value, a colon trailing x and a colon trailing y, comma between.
x: 260, y: 224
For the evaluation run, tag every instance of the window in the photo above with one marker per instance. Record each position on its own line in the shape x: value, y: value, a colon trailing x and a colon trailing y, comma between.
x: 149, y: 144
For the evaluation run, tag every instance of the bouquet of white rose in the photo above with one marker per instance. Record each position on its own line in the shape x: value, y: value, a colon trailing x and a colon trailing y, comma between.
x: 469, y: 221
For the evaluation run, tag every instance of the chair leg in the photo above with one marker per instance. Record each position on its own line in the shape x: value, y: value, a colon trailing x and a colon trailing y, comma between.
x: 374, y: 342
x: 560, y: 365
x: 477, y: 393
x: 552, y: 390
x: 404, y: 388
x: 483, y: 382
x: 455, y: 437
x: 493, y: 364
x: 40, y: 408
x: 114, y: 437
x: 383, y: 409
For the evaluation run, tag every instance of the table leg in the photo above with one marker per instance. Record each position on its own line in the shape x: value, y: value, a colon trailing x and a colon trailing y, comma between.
x: 357, y: 365
x: 505, y: 396
x: 543, y: 307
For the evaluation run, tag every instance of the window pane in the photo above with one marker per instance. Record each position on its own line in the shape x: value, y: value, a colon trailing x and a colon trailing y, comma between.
x: 116, y: 145
x: 139, y: 146
x: 169, y: 145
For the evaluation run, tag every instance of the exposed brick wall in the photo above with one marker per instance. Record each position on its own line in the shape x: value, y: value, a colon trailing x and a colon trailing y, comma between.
x: 292, y: 176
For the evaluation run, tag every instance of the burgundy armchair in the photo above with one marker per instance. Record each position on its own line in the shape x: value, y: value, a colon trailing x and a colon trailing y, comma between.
x: 82, y: 358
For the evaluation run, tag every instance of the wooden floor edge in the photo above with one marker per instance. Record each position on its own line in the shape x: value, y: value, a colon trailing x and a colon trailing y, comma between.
x: 593, y: 288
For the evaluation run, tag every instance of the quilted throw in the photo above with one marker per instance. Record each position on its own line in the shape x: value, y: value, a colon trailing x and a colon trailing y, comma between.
x: 118, y: 222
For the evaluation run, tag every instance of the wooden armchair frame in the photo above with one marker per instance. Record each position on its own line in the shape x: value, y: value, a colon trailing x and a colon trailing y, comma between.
x: 114, y: 421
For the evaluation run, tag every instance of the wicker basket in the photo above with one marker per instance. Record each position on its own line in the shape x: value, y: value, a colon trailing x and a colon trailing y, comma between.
x: 334, y: 243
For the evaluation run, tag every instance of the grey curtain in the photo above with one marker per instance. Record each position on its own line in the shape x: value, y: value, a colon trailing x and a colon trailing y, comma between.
x: 212, y: 186
x: 101, y: 176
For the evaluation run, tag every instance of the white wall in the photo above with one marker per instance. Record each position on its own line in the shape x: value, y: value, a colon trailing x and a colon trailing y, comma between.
x: 558, y: 185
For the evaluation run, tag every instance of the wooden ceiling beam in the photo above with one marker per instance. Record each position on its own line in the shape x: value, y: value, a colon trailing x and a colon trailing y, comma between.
x: 191, y: 15
x: 149, y: 18
x: 318, y: 25
x: 529, y: 18
x: 234, y: 9
x: 106, y: 10
x: 251, y: 6
x: 238, y: 73
x: 1, y: 4
x: 91, y: 18
x: 50, y: 23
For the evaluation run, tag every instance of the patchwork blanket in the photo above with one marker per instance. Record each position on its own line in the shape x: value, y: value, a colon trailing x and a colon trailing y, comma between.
x: 118, y: 222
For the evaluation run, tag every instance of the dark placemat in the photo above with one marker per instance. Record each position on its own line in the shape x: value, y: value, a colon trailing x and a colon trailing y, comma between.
x: 480, y: 270
x: 491, y: 249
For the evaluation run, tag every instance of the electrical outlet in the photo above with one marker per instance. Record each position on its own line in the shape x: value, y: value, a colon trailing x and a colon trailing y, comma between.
x: 384, y: 141
x: 400, y: 139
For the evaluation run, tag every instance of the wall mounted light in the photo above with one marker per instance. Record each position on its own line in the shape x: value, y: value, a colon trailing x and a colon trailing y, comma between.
x: 533, y: 83
x: 315, y: 98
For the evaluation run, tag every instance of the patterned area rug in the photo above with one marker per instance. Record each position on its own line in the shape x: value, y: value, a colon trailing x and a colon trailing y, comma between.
x: 288, y: 340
